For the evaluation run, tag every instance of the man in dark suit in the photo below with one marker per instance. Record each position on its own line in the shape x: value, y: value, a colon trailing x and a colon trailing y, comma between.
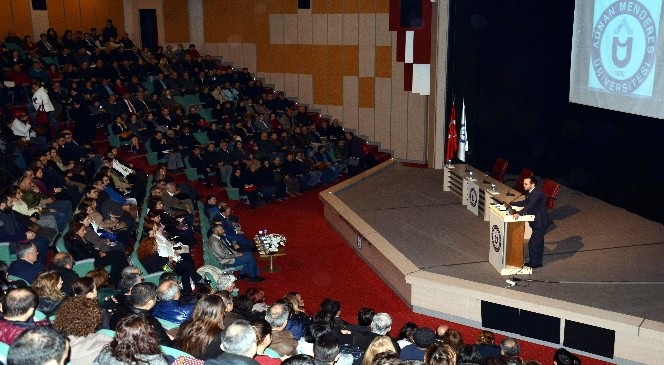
x: 26, y: 266
x: 63, y: 263
x: 45, y: 48
x: 159, y: 84
x: 201, y: 165
x: 535, y: 204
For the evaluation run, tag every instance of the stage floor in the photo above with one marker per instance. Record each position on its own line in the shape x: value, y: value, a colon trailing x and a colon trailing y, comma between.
x: 596, y: 254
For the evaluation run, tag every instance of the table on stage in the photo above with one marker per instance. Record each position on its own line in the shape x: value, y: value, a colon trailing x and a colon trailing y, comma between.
x: 270, y: 256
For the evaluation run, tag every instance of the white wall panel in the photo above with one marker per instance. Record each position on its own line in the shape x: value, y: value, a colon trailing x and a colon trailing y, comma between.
x: 306, y: 89
x: 276, y: 28
x: 382, y: 111
x: 335, y: 29
x: 304, y: 27
x: 319, y: 29
x: 290, y: 28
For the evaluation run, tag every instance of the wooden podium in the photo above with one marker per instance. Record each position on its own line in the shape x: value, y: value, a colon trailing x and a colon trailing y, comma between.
x: 506, y: 237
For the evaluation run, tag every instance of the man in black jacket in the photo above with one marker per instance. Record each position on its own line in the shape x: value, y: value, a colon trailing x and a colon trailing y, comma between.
x: 202, y: 166
x: 63, y: 263
x: 143, y: 298
x: 14, y: 229
x: 535, y: 204
x: 239, y: 345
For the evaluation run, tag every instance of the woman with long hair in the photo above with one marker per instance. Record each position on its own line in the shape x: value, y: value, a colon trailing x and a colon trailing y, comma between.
x: 28, y: 45
x: 406, y: 332
x: 85, y: 287
x: 82, y: 249
x: 200, y: 336
x: 329, y: 313
x: 152, y: 259
x: 105, y: 293
x: 453, y: 339
x: 48, y: 286
x: 135, y: 342
x: 379, y: 345
x: 80, y: 318
x: 439, y: 354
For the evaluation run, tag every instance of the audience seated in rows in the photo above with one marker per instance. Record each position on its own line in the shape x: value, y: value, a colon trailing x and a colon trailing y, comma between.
x: 57, y: 189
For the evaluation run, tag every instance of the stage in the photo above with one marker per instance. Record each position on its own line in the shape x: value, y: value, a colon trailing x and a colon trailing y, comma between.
x: 602, y: 264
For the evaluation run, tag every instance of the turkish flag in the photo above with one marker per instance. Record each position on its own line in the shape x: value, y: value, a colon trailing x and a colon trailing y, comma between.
x: 451, y: 144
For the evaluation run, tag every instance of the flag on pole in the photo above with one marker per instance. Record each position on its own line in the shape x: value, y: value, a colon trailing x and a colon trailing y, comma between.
x: 451, y: 144
x: 463, y: 135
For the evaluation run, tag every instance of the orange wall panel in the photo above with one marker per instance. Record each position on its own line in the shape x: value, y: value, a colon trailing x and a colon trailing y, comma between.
x: 367, y: 7
x: 7, y: 24
x: 236, y: 23
x: 116, y: 11
x: 73, y: 17
x: 276, y: 58
x: 56, y: 15
x: 351, y: 6
x: 335, y: 7
x: 319, y: 73
x: 290, y: 58
x: 262, y: 59
x: 351, y: 60
x: 247, y: 27
x: 335, y: 75
x: 367, y: 92
x: 176, y: 21
x: 320, y: 7
x: 22, y: 17
x: 212, y: 18
x: 383, y: 61
x: 90, y: 15
x: 283, y: 6
x: 261, y: 27
x: 382, y: 6
x: 305, y: 59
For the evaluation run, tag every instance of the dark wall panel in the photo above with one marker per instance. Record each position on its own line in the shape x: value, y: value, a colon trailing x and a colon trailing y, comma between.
x: 584, y: 337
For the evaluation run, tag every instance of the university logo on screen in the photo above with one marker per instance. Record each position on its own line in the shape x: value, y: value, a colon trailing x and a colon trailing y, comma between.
x: 624, y: 45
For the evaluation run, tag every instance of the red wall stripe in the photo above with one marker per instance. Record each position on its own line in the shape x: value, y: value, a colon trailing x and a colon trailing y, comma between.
x: 408, y: 76
x: 422, y: 38
x: 401, y: 46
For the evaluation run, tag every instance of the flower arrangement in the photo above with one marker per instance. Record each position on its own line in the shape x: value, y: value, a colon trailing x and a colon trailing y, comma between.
x: 267, y: 243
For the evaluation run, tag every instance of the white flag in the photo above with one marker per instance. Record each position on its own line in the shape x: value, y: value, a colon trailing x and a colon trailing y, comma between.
x: 463, y: 135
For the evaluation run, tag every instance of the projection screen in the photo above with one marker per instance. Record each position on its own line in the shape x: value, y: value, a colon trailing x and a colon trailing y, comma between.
x: 615, y: 52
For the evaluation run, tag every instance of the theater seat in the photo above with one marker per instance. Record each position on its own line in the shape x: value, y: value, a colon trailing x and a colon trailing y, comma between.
x: 550, y: 190
x: 499, y: 168
x: 525, y: 174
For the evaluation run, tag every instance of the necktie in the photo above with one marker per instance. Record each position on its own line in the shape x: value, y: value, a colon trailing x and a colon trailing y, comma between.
x: 131, y: 107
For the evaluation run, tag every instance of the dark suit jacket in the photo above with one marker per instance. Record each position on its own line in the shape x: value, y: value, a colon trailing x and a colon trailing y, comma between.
x: 25, y: 270
x: 535, y: 204
x: 68, y: 277
x: 159, y: 87
x: 122, y: 312
x: 199, y: 163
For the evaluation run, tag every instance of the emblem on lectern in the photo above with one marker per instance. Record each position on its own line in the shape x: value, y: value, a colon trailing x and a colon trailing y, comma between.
x: 472, y: 197
x: 496, y: 238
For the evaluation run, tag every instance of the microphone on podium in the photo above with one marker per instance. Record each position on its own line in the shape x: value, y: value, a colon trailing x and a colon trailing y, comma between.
x: 508, y: 205
x: 509, y: 192
x: 486, y: 177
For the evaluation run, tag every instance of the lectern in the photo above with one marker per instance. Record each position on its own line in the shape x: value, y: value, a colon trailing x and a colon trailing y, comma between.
x: 506, y: 236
